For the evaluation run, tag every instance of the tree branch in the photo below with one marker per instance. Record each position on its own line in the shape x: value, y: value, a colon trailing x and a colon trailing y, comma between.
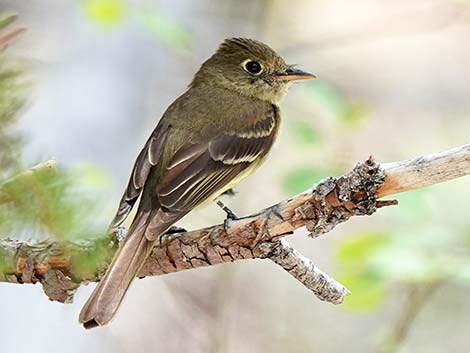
x: 423, y: 171
x: 302, y: 269
x: 258, y: 236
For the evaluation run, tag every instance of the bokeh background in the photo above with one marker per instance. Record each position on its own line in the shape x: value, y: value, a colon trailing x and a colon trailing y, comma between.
x: 393, y: 82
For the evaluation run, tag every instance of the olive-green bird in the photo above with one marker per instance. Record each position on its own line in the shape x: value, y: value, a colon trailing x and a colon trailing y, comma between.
x: 211, y: 137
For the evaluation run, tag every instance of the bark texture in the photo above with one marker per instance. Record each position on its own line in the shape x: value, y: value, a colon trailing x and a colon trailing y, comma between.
x: 260, y: 236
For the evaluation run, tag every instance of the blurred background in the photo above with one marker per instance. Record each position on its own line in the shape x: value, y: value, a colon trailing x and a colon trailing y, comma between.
x: 88, y: 81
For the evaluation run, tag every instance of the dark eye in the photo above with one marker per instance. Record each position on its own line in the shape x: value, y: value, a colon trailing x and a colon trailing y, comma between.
x: 253, y: 67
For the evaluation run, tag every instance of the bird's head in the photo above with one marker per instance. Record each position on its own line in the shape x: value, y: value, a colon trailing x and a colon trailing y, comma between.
x: 251, y: 68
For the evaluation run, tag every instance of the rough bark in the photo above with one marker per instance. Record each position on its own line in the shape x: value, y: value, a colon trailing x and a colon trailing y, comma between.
x: 259, y: 236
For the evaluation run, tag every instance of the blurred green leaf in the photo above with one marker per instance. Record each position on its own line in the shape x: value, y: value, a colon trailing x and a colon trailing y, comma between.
x: 105, y: 12
x: 356, y: 248
x: 353, y: 115
x: 416, y: 205
x: 326, y: 95
x: 7, y: 18
x: 367, y: 290
x: 2, y: 263
x: 304, y: 132
x: 368, y: 261
x: 52, y: 204
x: 299, y: 180
x: 167, y: 30
x: 346, y: 114
x: 91, y: 176
x: 12, y: 99
x: 84, y: 264
x: 355, y: 271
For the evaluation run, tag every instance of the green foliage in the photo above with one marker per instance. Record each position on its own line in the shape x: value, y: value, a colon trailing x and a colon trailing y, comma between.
x: 107, y: 13
x: 11, y: 101
x: 166, y: 30
x: 415, y: 206
x: 353, y: 115
x: 90, y: 176
x: 112, y: 13
x: 346, y: 115
x: 48, y: 203
x: 368, y: 290
x: 58, y: 204
x: 84, y: 264
x: 356, y: 269
x: 3, y: 266
x: 304, y: 132
x: 421, y: 248
x: 6, y: 19
x: 355, y: 249
x: 423, y: 244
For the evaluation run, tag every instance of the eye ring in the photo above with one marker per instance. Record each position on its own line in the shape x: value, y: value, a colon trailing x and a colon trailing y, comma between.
x: 252, y: 67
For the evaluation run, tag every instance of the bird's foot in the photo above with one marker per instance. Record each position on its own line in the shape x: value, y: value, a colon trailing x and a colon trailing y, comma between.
x: 172, y: 233
x: 270, y: 212
x: 274, y: 211
x: 231, y: 216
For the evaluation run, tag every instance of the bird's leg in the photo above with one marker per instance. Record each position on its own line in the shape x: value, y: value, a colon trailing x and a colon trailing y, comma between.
x: 270, y: 212
x: 231, y: 216
x: 172, y: 233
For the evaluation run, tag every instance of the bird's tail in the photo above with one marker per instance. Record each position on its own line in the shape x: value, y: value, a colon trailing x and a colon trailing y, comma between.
x: 107, y: 296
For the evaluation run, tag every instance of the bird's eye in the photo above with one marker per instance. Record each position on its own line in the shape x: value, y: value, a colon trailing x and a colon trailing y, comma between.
x: 253, y: 67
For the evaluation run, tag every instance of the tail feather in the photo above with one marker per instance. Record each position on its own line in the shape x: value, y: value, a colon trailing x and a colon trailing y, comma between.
x: 108, y: 295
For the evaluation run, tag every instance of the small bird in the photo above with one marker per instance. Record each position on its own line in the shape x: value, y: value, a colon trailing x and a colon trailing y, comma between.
x: 215, y: 134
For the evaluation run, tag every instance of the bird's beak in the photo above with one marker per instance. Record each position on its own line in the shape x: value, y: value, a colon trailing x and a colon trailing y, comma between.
x: 292, y: 74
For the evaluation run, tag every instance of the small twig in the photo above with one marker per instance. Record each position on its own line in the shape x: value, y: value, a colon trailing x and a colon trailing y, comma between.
x: 323, y: 286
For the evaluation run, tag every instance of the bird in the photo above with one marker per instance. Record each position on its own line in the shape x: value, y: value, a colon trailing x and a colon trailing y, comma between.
x: 211, y: 137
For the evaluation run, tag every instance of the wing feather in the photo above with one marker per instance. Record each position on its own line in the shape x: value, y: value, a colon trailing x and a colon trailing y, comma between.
x: 199, y: 171
x: 147, y: 158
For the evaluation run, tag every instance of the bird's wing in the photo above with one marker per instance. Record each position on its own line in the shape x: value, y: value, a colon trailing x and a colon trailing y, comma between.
x: 199, y: 171
x: 148, y: 157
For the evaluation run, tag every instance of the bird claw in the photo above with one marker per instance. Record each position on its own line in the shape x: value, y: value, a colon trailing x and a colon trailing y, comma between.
x: 275, y: 211
x: 172, y: 233
x: 227, y: 224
